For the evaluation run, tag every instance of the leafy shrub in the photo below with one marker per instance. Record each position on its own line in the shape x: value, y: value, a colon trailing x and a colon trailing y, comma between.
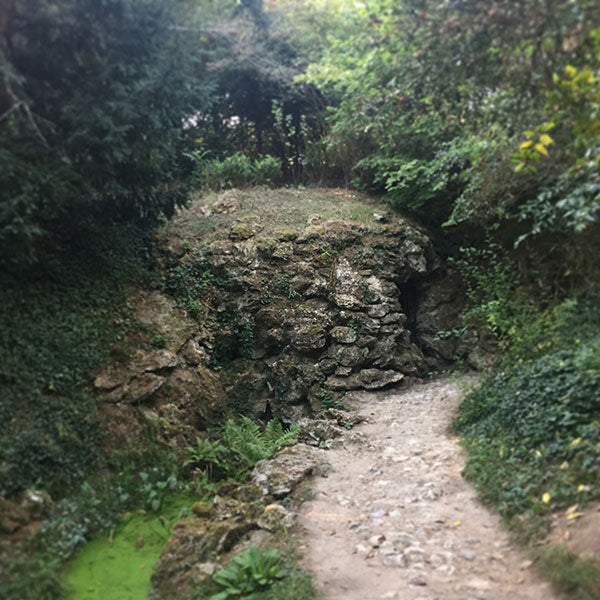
x: 56, y: 329
x: 267, y: 169
x: 237, y: 170
x: 534, y: 429
x: 250, y: 444
x: 424, y: 187
x: 491, y: 285
x: 570, y: 204
x: 242, y: 445
x: 64, y: 164
x: 248, y: 572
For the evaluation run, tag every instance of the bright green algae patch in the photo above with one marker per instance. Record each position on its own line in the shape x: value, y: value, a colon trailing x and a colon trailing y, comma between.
x: 118, y: 565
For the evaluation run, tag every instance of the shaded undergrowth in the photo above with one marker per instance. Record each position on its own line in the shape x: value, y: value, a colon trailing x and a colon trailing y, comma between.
x: 531, y: 430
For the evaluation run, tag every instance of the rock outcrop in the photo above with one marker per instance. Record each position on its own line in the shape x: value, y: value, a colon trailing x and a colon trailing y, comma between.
x: 277, y: 321
x: 303, y: 312
x: 238, y: 517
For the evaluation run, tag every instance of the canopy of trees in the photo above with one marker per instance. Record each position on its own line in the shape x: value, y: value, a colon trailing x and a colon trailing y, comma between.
x: 463, y: 113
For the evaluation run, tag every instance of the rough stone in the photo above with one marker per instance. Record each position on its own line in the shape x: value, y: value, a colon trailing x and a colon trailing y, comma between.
x: 347, y: 356
x: 155, y: 360
x: 18, y: 514
x: 244, y: 230
x: 343, y: 371
x: 276, y: 518
x: 308, y: 336
x: 186, y: 561
x: 202, y: 510
x: 344, y: 335
x: 369, y: 379
x: 377, y: 311
x: 394, y: 318
x: 279, y: 476
x: 283, y: 251
x: 142, y: 387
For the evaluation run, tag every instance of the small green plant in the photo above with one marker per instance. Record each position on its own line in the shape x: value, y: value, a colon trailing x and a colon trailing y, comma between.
x: 283, y: 285
x: 248, y: 572
x: 160, y: 340
x: 353, y: 323
x: 245, y: 336
x: 329, y: 400
x: 207, y: 455
x: 242, y: 445
x: 575, y: 577
x: 195, y: 309
x: 250, y: 444
x: 154, y: 492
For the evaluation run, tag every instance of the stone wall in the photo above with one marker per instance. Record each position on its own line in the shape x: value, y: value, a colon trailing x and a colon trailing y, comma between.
x: 279, y: 322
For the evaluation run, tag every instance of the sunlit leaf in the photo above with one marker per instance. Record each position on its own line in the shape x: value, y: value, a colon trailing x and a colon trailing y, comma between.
x: 574, y: 515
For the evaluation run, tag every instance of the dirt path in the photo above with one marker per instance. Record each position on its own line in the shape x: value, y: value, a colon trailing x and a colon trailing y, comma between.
x: 395, y: 519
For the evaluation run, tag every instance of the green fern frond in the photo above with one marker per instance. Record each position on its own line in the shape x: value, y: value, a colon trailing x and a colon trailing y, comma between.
x: 247, y: 441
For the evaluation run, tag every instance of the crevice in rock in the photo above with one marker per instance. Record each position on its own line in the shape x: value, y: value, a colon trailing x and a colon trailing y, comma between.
x: 410, y: 294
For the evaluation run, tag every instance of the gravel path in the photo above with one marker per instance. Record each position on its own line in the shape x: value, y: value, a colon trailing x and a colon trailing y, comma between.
x: 394, y: 519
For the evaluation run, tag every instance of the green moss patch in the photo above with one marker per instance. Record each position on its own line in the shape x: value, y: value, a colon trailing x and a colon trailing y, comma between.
x: 118, y: 565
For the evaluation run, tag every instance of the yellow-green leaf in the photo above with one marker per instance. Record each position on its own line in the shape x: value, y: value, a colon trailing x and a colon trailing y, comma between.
x: 545, y: 139
x: 574, y: 515
x: 525, y: 144
x: 576, y: 441
x: 541, y: 149
x: 571, y: 71
x: 546, y: 498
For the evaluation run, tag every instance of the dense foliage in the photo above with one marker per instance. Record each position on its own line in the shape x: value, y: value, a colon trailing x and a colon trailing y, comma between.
x: 480, y: 119
x: 431, y: 102
x: 54, y: 330
x: 92, y: 129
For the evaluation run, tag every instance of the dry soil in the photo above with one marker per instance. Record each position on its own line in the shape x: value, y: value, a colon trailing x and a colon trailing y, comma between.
x: 394, y: 518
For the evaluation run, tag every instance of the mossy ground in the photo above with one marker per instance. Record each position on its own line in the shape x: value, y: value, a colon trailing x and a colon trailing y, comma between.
x: 118, y: 565
x: 281, y: 213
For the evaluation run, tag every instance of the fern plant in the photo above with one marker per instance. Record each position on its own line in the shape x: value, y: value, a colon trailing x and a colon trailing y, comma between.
x: 207, y: 454
x: 242, y: 446
x: 251, y: 445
